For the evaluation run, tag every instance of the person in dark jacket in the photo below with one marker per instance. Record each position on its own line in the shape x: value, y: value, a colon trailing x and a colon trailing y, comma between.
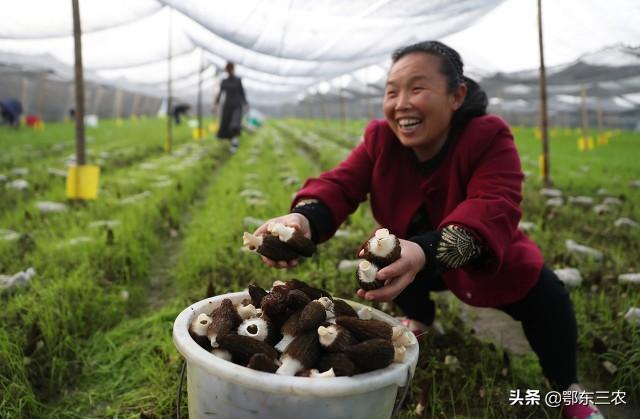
x: 11, y: 109
x: 180, y: 110
x: 232, y: 108
x: 445, y: 178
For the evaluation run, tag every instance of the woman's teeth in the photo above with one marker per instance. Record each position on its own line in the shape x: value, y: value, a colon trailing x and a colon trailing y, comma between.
x: 408, y: 123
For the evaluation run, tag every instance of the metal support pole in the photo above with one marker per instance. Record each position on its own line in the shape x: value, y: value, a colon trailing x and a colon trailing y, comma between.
x: 169, y: 140
x: 543, y: 103
x: 79, y: 81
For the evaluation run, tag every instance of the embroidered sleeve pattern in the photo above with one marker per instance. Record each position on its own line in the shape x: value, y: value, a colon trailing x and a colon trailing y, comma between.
x: 457, y: 247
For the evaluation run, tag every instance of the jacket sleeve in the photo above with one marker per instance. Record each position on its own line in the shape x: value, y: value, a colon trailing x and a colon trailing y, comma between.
x: 343, y: 188
x: 491, y: 209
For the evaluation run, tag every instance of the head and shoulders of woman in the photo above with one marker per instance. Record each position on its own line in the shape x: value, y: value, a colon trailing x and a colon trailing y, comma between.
x: 429, y: 102
x: 232, y: 78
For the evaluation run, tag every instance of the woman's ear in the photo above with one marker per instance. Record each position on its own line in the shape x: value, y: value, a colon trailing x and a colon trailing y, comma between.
x: 458, y: 96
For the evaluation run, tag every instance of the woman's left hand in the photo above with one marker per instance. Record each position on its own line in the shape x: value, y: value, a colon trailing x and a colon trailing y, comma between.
x: 399, y: 274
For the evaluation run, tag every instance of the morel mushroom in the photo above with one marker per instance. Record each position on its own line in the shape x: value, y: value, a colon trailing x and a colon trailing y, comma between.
x: 198, y: 330
x: 366, y: 329
x: 242, y: 348
x: 302, y: 353
x: 382, y: 249
x: 224, y: 320
x: 280, y: 242
x: 372, y: 354
x: 293, y: 238
x: 366, y: 275
x: 334, y: 338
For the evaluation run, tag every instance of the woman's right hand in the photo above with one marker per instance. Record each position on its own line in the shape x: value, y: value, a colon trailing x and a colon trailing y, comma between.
x: 295, y: 220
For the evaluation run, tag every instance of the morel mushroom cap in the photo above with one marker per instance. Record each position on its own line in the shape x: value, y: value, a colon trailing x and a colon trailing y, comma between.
x: 366, y: 329
x: 342, y: 308
x: 293, y: 238
x: 242, y: 348
x: 274, y: 304
x: 382, y: 249
x: 269, y: 246
x: 312, y: 292
x: 312, y: 316
x: 262, y: 362
x: 334, y: 338
x: 302, y: 353
x: 297, y: 299
x: 224, y: 320
x: 340, y: 362
x: 257, y: 293
x: 372, y: 354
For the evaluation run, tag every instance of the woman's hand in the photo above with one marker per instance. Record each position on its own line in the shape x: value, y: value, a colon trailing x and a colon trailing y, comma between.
x: 399, y: 274
x: 295, y: 220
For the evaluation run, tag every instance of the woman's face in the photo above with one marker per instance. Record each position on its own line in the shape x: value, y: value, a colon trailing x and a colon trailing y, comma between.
x: 417, y: 105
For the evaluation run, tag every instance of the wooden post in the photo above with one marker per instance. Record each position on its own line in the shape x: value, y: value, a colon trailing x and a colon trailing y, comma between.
x: 543, y: 104
x: 169, y: 140
x: 42, y: 94
x: 141, y: 106
x: 24, y: 97
x: 70, y: 100
x: 117, y: 104
x: 600, y: 123
x: 79, y: 81
x: 585, y: 113
x: 135, y: 106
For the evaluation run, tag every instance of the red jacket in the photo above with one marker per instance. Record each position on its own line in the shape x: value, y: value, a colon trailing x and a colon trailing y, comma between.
x: 477, y: 185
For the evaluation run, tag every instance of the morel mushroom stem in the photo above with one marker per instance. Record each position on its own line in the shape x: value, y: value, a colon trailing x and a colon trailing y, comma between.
x: 200, y: 324
x: 255, y: 328
x: 290, y: 366
x: 366, y: 275
x: 317, y: 374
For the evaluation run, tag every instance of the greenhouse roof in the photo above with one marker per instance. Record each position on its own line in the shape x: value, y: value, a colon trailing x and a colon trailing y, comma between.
x: 288, y: 51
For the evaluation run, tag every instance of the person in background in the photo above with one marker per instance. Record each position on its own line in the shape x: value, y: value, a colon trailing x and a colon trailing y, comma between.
x: 445, y: 177
x: 11, y: 110
x: 232, y: 108
x: 179, y: 110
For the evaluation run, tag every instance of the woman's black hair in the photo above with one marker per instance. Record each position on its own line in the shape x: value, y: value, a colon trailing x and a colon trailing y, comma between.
x: 475, y: 102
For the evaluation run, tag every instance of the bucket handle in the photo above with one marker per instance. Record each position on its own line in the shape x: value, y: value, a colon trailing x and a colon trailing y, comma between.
x: 179, y: 399
x: 401, y: 395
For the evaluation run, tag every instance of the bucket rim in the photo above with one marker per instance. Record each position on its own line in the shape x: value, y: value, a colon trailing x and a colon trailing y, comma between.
x: 398, y: 374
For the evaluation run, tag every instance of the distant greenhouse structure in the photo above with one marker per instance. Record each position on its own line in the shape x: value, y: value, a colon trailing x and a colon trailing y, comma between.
x: 299, y: 60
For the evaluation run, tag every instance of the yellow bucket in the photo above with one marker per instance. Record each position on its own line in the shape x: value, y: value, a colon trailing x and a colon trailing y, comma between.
x: 82, y: 182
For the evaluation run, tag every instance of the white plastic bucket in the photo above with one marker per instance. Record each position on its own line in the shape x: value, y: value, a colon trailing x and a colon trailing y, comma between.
x: 221, y: 389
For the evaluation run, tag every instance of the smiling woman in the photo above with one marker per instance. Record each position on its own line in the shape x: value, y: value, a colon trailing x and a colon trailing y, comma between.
x: 445, y: 178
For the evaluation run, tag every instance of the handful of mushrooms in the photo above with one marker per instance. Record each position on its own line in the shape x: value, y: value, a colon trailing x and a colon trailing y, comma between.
x: 381, y: 250
x: 280, y: 242
x: 296, y: 329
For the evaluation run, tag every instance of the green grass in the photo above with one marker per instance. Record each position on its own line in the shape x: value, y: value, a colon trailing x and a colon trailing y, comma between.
x: 104, y: 356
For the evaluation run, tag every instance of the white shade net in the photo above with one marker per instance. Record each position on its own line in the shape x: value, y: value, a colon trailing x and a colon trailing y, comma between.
x: 292, y: 51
